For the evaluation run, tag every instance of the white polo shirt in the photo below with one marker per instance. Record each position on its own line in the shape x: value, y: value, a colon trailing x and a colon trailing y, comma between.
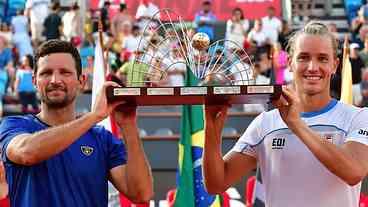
x: 271, y: 27
x: 291, y: 174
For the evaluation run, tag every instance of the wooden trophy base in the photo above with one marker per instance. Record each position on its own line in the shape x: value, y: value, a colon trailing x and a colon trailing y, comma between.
x: 197, y: 95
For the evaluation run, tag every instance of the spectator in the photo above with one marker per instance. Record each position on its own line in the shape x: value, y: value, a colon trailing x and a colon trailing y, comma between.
x: 21, y: 38
x: 205, y: 20
x: 145, y: 11
x: 5, y: 64
x: 363, y: 54
x: 105, y: 17
x: 125, y: 31
x: 286, y: 31
x: 86, y: 51
x: 302, y: 10
x: 363, y: 32
x: 177, y: 67
x: 23, y: 85
x: 364, y: 89
x: 118, y: 21
x: 332, y: 27
x: 53, y: 26
x: 88, y: 72
x: 357, y: 66
x: 271, y: 25
x: 237, y: 28
x: 37, y: 11
x: 357, y: 23
x: 72, y: 25
x: 133, y: 41
x: 256, y: 36
x: 137, y: 76
x: 328, y: 6
x: 6, y: 32
x: 280, y: 58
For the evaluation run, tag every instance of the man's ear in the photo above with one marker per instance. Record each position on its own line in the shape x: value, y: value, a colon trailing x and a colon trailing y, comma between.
x: 336, y: 64
x: 82, y: 80
x: 290, y: 62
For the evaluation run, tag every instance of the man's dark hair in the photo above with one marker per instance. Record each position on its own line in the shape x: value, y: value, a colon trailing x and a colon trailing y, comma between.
x: 122, y: 7
x: 58, y: 46
x: 55, y: 6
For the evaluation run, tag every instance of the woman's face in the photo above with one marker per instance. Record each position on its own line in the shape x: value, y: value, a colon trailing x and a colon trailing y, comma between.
x: 25, y: 61
x: 237, y: 15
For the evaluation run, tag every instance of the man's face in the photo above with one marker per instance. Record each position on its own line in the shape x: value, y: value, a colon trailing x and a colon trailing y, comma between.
x: 206, y: 7
x: 57, y: 81
x: 271, y: 12
x: 313, y: 63
x: 258, y: 25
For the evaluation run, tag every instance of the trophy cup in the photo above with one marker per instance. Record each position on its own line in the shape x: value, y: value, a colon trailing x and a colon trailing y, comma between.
x: 223, y: 69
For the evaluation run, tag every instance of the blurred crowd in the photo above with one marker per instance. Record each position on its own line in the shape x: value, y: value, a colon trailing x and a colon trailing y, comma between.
x: 128, y: 38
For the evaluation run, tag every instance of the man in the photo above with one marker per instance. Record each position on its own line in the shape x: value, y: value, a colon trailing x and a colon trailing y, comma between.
x: 53, y: 25
x: 6, y: 69
x: 56, y: 158
x: 37, y: 11
x: 136, y: 77
x: 118, y: 21
x: 147, y: 15
x: 21, y: 38
x: 311, y: 149
x: 271, y: 25
x: 206, y: 19
x: 357, y: 67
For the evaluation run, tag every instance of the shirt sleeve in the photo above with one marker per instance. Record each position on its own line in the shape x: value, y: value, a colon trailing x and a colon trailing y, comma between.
x: 116, y: 150
x: 10, y: 127
x: 247, y: 144
x: 358, y: 131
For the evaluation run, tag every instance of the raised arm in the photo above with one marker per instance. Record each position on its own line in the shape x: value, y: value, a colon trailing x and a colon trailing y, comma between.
x: 135, y: 178
x: 220, y: 173
x: 30, y: 149
x: 349, y: 162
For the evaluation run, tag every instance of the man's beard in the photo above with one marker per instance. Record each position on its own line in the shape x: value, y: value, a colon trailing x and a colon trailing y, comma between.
x: 57, y: 104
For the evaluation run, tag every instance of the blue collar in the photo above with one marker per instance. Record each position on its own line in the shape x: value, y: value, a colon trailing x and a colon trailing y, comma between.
x: 329, y: 106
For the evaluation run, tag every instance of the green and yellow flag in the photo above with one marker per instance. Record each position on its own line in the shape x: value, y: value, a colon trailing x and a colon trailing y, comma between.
x: 190, y: 188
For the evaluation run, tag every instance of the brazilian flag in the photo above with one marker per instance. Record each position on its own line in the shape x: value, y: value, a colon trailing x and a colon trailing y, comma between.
x: 190, y: 188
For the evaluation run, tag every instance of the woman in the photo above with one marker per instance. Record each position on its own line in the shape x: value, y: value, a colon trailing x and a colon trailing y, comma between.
x: 236, y: 28
x: 72, y: 26
x: 24, y: 87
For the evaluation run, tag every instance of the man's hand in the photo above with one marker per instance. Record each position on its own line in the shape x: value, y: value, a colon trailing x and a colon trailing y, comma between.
x: 288, y: 105
x: 125, y: 115
x: 101, y: 107
x: 216, y: 116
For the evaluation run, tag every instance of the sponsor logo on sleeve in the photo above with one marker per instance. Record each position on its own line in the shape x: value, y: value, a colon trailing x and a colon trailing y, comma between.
x: 278, y: 143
